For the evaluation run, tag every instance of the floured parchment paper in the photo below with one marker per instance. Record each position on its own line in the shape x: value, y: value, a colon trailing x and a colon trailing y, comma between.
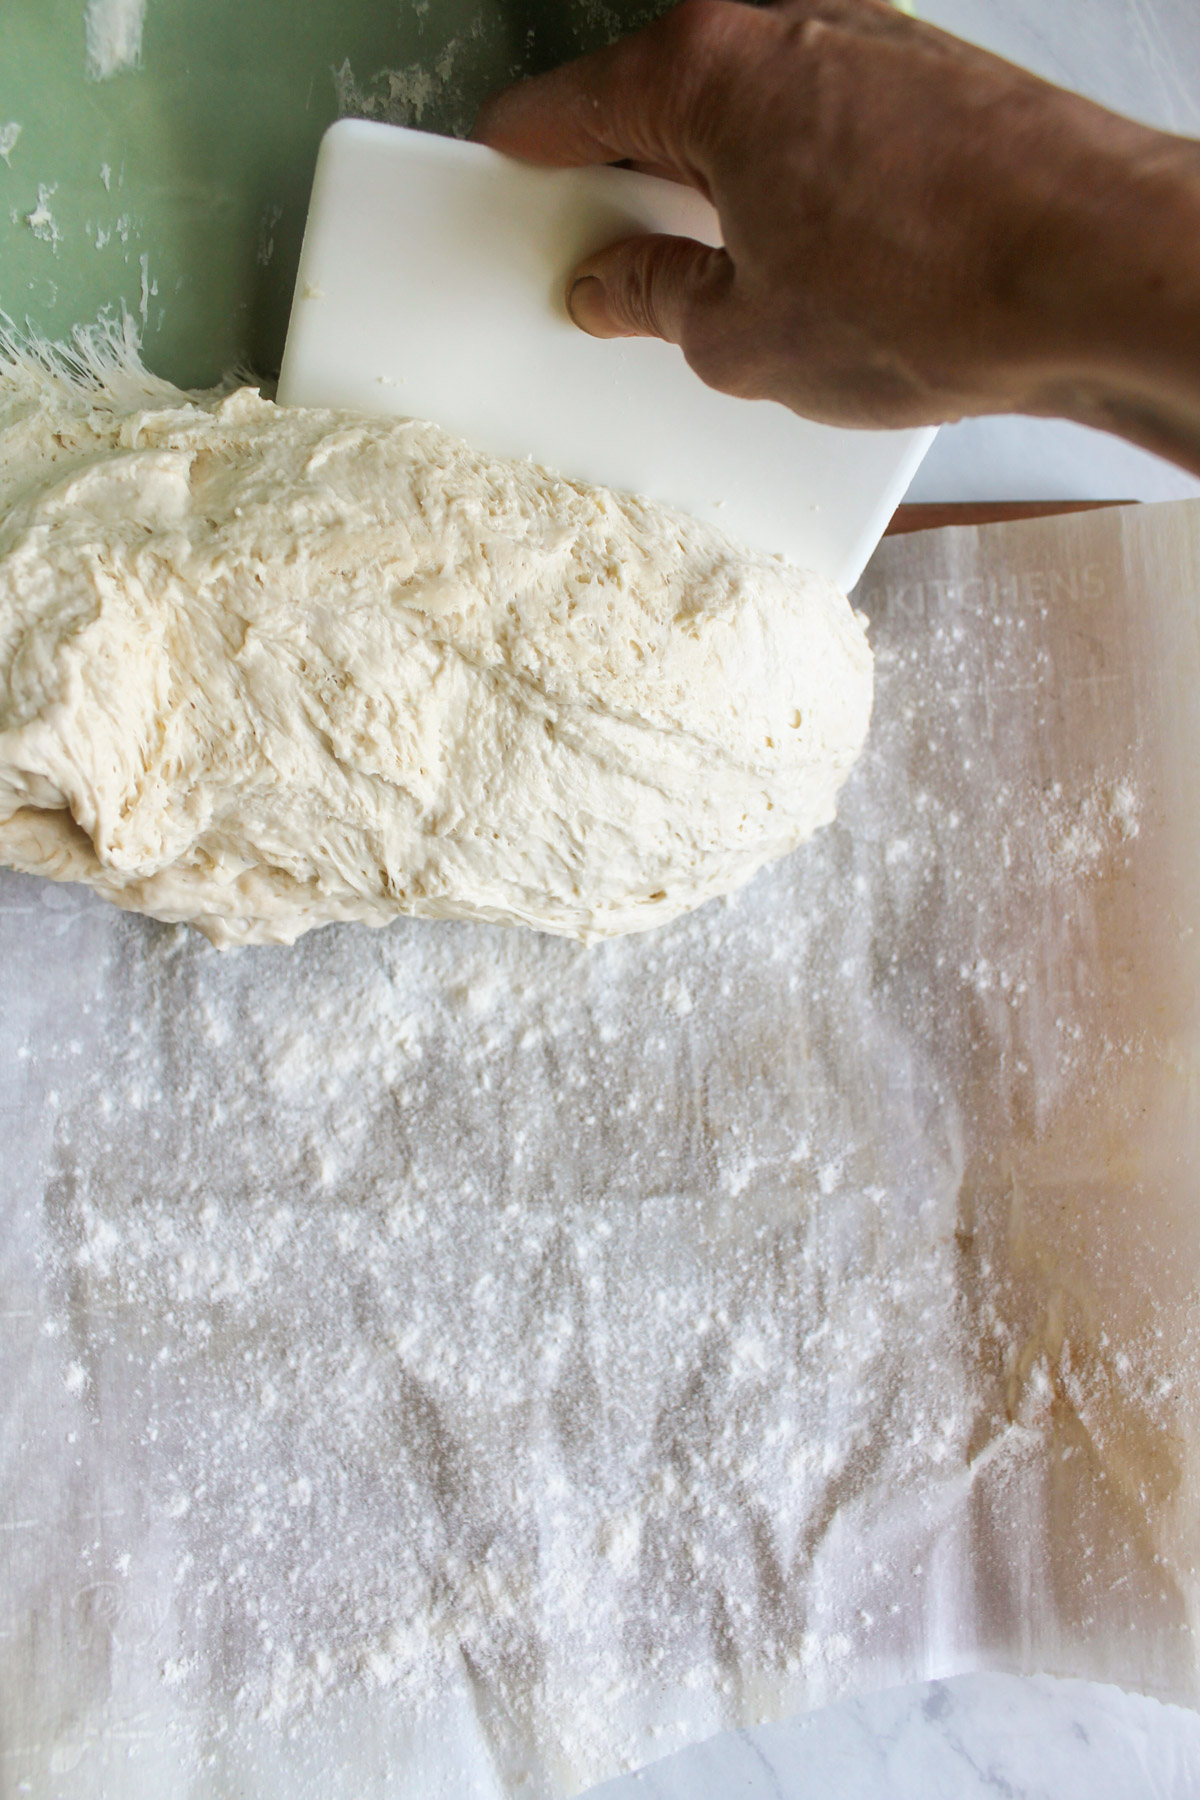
x: 447, y: 1361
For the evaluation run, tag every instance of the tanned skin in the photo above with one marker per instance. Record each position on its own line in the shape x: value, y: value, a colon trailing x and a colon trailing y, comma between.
x: 915, y: 230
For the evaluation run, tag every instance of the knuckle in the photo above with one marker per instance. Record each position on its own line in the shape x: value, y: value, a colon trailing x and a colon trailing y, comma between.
x: 695, y: 27
x: 668, y: 288
x: 628, y: 288
x: 640, y: 291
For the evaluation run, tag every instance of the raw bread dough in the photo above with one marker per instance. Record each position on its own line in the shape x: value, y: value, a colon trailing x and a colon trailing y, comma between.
x: 262, y: 668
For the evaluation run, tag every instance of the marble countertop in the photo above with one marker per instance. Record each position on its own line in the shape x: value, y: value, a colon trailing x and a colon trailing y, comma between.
x: 974, y: 1738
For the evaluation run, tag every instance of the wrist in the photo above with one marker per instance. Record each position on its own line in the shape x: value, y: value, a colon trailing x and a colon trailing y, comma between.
x: 1110, y: 292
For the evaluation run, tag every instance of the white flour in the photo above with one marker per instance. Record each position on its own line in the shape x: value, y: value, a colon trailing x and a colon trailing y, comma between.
x: 113, y: 36
x: 395, y: 96
x: 448, y: 1343
x: 443, y: 90
x: 41, y: 220
x: 476, y: 1329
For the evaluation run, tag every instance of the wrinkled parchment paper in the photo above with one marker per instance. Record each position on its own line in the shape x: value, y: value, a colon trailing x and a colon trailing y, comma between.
x: 444, y: 1361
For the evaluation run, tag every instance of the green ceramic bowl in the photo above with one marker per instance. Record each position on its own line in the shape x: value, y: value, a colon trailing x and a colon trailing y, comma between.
x: 178, y: 185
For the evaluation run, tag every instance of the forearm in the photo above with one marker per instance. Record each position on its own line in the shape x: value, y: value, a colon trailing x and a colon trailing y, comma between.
x: 1110, y: 308
x: 1144, y: 295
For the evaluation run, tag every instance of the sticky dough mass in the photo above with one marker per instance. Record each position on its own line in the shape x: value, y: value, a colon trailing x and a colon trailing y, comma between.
x: 263, y: 668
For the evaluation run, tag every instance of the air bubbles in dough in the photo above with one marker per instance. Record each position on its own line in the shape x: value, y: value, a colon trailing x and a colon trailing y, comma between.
x: 265, y: 668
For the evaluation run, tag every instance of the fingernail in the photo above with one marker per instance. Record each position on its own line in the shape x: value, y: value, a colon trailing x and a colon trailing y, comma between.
x: 588, y: 307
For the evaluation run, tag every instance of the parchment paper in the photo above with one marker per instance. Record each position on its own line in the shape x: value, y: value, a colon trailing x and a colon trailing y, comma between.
x: 453, y: 1362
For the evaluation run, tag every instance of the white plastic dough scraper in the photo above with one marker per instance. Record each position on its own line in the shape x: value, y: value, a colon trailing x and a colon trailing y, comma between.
x: 431, y: 287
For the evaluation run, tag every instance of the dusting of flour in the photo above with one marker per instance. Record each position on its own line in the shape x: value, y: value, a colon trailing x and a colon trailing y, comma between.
x: 113, y: 36
x: 453, y: 1360
x: 453, y: 1324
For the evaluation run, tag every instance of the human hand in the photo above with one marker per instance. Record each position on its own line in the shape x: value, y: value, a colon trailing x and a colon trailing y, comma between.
x: 914, y: 230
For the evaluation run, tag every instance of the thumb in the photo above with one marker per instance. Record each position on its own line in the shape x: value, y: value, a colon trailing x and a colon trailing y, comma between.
x: 648, y: 286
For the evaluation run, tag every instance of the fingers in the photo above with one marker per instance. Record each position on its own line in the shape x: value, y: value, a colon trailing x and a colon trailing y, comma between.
x: 664, y: 287
x: 559, y: 119
x: 869, y: 17
x: 642, y: 100
x: 652, y: 98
